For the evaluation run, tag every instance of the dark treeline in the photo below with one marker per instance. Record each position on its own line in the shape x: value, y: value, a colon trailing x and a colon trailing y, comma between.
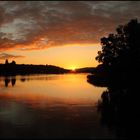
x: 12, y: 68
x: 22, y: 69
x: 119, y: 71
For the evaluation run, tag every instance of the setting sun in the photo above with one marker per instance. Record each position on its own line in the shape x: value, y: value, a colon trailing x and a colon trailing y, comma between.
x: 73, y: 69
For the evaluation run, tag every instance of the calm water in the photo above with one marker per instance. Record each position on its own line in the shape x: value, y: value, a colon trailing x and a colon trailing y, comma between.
x: 50, y: 106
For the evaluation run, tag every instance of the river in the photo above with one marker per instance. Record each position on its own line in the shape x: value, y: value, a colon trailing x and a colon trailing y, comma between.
x: 50, y: 106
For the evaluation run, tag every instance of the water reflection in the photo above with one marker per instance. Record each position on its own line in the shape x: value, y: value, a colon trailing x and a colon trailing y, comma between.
x: 58, y: 89
x: 118, y: 106
x: 22, y: 79
x: 119, y: 110
x: 13, y: 80
x: 8, y: 81
x: 50, y: 106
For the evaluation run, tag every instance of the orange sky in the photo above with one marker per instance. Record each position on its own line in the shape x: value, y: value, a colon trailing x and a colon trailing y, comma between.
x: 75, y: 56
x: 66, y: 34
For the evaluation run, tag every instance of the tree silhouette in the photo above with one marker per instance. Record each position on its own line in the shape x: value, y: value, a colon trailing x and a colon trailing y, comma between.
x: 119, y: 72
x: 13, y: 63
x: 121, y: 50
x: 6, y: 61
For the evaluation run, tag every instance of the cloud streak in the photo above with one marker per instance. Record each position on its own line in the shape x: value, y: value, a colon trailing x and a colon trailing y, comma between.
x: 9, y: 56
x: 28, y: 25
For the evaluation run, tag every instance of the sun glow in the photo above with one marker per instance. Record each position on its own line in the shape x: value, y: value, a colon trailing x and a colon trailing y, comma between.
x: 67, y: 57
x: 73, y: 69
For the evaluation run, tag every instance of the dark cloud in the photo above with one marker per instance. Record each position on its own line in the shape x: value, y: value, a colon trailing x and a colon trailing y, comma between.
x: 9, y: 56
x: 41, y: 24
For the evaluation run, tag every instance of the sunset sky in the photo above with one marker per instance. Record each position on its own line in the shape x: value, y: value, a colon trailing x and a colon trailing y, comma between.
x: 62, y: 33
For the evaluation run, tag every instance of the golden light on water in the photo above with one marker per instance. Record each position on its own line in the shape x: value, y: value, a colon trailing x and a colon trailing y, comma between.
x: 40, y: 90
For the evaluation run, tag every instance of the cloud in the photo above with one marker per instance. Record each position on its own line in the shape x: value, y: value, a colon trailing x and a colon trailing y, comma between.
x: 28, y: 25
x: 9, y: 56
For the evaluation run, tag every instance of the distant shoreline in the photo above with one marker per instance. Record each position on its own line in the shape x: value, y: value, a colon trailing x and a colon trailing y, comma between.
x: 26, y: 69
x: 13, y: 69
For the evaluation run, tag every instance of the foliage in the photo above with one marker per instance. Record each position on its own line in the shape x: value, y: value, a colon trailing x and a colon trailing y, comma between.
x: 123, y: 48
